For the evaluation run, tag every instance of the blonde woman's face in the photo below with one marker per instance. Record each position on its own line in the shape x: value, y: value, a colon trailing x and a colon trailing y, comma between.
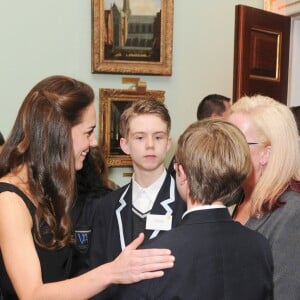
x: 245, y: 124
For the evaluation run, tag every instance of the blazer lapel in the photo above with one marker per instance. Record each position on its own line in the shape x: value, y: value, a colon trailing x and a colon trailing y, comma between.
x: 163, y: 203
x: 124, y: 218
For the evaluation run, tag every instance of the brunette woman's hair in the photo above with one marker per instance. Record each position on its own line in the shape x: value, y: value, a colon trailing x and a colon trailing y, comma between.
x: 41, y: 138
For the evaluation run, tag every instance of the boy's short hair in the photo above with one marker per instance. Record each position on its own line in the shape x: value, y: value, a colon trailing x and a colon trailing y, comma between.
x: 144, y: 107
x: 215, y: 157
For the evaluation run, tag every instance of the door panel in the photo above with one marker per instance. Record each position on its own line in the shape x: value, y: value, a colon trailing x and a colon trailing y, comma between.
x: 261, y: 53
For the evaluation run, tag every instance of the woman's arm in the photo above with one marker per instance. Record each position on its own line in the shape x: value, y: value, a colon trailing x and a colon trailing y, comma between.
x: 23, y: 266
x: 130, y: 266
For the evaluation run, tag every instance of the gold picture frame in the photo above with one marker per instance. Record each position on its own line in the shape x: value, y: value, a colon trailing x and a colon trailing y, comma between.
x: 112, y: 103
x: 129, y: 42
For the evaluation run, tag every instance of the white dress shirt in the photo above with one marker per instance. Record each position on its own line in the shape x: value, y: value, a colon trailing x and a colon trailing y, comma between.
x: 202, y: 207
x: 144, y: 198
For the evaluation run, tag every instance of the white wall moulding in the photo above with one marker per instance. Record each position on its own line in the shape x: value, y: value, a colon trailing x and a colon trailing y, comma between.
x: 283, y: 7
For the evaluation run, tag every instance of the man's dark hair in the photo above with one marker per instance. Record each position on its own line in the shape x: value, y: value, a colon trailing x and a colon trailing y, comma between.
x: 296, y: 112
x: 210, y: 104
x: 2, y: 140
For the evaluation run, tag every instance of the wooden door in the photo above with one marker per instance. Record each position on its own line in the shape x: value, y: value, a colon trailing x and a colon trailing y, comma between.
x: 261, y: 53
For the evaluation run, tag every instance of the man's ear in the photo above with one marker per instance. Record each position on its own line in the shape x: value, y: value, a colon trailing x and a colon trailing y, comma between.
x: 265, y: 155
x: 124, y: 145
x: 214, y: 115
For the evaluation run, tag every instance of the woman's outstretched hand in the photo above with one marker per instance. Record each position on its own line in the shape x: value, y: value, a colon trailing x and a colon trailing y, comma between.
x: 134, y: 265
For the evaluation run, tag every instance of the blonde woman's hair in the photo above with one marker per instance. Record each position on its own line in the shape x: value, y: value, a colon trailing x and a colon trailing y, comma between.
x: 215, y: 157
x: 276, y: 127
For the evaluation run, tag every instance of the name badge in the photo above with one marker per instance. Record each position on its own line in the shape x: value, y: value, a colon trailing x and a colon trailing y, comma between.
x: 158, y: 222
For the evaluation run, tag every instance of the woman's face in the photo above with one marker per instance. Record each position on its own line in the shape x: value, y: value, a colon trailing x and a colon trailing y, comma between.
x: 83, y: 135
x: 257, y: 149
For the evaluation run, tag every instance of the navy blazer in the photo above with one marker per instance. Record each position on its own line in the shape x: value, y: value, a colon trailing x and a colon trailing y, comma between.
x: 113, y: 223
x: 215, y: 258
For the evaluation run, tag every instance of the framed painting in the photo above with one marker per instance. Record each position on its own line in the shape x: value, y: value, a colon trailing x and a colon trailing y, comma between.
x: 132, y: 36
x: 112, y: 103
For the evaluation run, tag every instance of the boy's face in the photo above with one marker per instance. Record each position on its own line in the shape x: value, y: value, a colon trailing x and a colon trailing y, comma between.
x: 147, y: 142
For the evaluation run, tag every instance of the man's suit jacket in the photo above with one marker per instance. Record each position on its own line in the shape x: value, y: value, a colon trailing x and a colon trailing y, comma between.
x: 215, y: 258
x: 113, y: 226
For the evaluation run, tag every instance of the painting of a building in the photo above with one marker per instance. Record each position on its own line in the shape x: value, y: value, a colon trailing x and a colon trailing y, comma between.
x: 131, y: 37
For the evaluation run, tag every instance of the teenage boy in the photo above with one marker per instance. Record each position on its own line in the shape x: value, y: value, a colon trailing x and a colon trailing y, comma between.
x: 150, y: 203
x: 216, y: 258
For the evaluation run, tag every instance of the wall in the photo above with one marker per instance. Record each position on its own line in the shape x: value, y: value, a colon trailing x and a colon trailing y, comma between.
x: 42, y: 38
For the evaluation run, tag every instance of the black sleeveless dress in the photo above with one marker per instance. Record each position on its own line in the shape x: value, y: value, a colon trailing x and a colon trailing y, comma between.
x: 55, y: 264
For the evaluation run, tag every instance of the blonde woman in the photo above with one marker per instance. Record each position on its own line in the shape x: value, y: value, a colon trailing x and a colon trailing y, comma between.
x: 271, y: 204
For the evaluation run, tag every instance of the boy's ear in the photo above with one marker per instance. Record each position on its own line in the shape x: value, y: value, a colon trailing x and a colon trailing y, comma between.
x: 181, y: 174
x: 124, y: 146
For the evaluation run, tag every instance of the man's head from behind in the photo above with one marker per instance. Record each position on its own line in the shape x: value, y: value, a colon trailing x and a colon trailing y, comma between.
x: 2, y: 140
x: 296, y: 112
x: 212, y: 160
x: 213, y: 105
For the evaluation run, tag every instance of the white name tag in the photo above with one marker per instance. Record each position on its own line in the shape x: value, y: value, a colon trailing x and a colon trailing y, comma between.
x: 158, y: 222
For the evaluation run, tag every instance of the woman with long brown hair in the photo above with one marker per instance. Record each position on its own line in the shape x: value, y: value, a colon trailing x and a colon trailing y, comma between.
x: 49, y: 141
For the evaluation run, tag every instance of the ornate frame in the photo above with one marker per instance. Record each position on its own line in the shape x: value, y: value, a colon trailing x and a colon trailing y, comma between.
x: 112, y: 103
x: 110, y: 54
